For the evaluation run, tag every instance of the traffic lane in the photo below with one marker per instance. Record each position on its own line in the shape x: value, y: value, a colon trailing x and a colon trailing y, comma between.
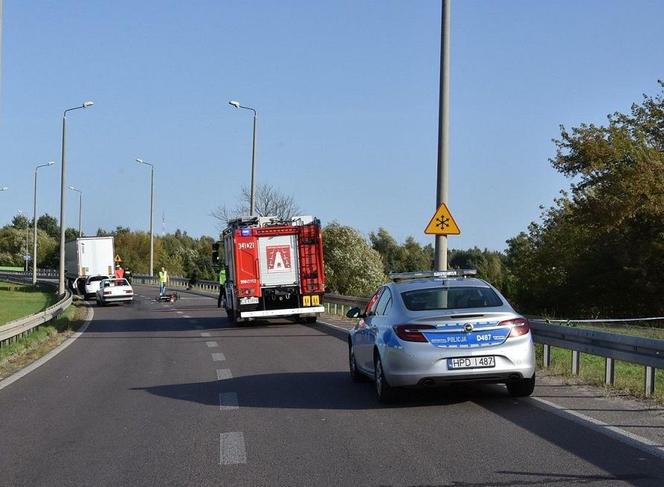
x: 186, y: 301
x: 306, y: 423
x: 81, y: 419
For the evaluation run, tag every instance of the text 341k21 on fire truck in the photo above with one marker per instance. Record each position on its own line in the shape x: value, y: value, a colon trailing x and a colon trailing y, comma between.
x: 274, y: 268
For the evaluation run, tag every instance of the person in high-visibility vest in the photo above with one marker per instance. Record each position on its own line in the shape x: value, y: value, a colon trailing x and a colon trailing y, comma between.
x: 163, y: 279
x: 222, y: 286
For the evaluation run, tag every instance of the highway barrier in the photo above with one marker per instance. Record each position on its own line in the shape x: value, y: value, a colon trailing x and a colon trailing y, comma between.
x: 11, y: 331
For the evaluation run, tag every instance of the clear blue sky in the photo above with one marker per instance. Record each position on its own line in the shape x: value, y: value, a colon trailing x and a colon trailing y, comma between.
x: 347, y: 94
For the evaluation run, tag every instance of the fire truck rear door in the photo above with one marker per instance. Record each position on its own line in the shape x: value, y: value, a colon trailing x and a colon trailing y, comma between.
x: 278, y: 260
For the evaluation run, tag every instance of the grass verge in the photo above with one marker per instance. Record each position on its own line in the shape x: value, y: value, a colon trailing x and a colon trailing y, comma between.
x: 630, y: 378
x: 19, y: 300
x: 42, y: 340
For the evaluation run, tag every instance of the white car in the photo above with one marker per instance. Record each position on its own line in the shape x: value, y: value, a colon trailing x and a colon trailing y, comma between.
x: 114, y: 290
x: 91, y: 286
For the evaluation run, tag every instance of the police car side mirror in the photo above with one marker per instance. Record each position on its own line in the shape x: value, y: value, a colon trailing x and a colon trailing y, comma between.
x: 354, y: 313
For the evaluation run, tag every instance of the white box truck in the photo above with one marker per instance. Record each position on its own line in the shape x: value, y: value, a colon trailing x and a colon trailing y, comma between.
x: 88, y: 256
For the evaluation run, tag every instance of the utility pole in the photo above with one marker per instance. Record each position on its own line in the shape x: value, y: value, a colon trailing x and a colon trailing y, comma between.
x: 440, y: 262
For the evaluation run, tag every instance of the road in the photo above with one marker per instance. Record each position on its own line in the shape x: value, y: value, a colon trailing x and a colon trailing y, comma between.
x: 175, y: 394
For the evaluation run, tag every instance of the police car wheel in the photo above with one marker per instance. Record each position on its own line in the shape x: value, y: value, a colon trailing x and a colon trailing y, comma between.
x: 355, y: 374
x: 384, y: 391
x: 521, y: 388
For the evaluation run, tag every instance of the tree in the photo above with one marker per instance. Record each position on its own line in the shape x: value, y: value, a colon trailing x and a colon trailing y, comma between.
x: 20, y: 222
x: 490, y: 265
x: 390, y: 252
x: 352, y: 267
x: 269, y: 202
x: 598, y: 250
x: 409, y: 257
x: 49, y: 224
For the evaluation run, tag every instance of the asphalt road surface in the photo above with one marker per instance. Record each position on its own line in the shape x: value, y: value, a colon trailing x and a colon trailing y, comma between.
x: 174, y: 394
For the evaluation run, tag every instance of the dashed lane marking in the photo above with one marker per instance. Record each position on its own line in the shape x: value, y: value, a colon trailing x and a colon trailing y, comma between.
x: 223, y: 374
x: 231, y: 448
x: 218, y: 357
x: 205, y: 334
x: 212, y: 344
x: 228, y: 401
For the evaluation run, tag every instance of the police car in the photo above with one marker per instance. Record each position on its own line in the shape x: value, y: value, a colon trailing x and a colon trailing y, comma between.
x: 428, y: 329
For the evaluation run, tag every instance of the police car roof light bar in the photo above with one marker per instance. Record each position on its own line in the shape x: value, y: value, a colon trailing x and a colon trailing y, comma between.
x: 403, y: 276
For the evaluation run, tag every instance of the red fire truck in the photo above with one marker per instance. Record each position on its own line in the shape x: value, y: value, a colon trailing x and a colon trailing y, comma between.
x: 274, y: 268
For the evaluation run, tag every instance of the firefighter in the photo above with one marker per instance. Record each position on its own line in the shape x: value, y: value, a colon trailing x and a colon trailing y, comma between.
x: 222, y: 286
x: 163, y: 279
x: 119, y: 271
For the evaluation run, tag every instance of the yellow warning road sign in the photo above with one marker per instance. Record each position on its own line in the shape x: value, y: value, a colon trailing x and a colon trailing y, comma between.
x: 118, y: 259
x: 442, y: 223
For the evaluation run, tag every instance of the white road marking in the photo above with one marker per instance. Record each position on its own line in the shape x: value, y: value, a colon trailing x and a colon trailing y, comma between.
x: 180, y: 312
x: 205, y: 334
x: 228, y: 401
x: 231, y: 448
x: 223, y: 374
x: 26, y: 370
x: 334, y: 326
x: 218, y: 357
x: 211, y: 344
x: 643, y: 444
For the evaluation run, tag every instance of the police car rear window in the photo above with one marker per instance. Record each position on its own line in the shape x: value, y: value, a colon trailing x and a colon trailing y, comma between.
x: 450, y: 298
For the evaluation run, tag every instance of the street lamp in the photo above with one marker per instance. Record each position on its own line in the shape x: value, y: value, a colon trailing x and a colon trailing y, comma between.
x: 141, y: 161
x: 63, y: 185
x: 27, y: 239
x: 80, y: 207
x: 34, y: 225
x: 252, y: 205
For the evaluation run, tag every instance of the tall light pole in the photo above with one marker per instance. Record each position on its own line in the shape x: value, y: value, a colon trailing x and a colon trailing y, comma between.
x: 63, y: 186
x: 27, y: 240
x: 141, y: 161
x: 34, y: 224
x: 440, y: 254
x: 252, y: 204
x: 80, y: 208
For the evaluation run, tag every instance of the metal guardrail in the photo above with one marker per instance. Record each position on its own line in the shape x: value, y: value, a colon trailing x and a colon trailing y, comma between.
x: 11, y: 331
x: 179, y: 282
x: 648, y: 352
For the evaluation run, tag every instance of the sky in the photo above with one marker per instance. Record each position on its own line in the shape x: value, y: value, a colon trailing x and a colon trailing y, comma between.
x: 347, y: 99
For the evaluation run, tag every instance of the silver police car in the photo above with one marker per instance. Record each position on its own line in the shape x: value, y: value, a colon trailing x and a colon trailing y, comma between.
x: 432, y: 328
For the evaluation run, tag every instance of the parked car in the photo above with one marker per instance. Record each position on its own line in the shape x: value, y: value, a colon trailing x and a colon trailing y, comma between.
x: 435, y: 328
x: 92, y: 286
x: 114, y: 290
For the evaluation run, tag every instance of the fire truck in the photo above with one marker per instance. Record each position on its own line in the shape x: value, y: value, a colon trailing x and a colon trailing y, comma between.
x: 274, y: 268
